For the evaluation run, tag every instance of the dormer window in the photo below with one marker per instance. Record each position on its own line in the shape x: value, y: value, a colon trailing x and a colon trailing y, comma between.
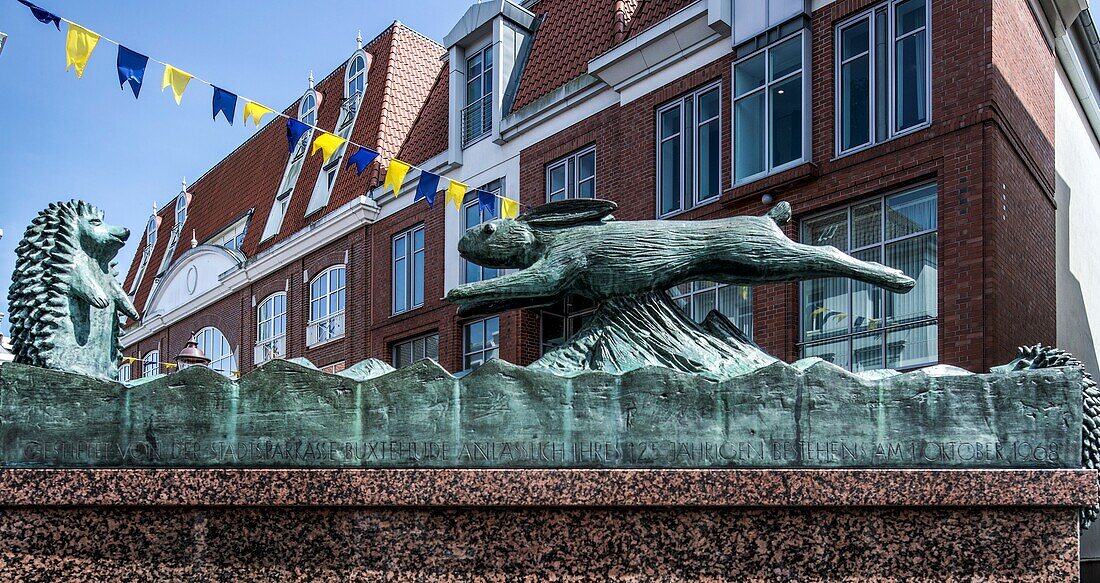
x: 151, y: 232
x: 477, y: 117
x: 147, y: 253
x: 307, y: 114
x: 355, y: 77
x: 181, y: 209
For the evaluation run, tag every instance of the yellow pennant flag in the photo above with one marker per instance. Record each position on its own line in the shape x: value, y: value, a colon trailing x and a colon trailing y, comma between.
x: 456, y: 191
x: 79, y: 45
x: 256, y: 112
x: 327, y: 143
x: 395, y: 175
x: 177, y: 79
x: 509, y: 209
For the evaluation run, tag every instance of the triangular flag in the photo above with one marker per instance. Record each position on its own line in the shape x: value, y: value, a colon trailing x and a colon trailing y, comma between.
x: 395, y: 175
x: 426, y: 189
x: 43, y: 16
x: 294, y: 131
x: 487, y: 202
x: 131, y: 69
x: 78, y: 48
x: 224, y: 102
x: 362, y: 158
x: 456, y: 191
x: 177, y: 79
x: 255, y: 111
x: 509, y: 209
x: 327, y: 143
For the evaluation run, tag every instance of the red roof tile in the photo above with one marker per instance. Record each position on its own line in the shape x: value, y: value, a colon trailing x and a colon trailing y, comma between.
x: 650, y: 12
x: 429, y: 135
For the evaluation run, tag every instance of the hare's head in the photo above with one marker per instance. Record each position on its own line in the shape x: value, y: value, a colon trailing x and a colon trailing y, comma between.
x: 520, y: 242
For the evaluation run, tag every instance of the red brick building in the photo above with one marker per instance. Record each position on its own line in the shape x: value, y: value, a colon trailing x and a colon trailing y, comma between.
x: 918, y: 133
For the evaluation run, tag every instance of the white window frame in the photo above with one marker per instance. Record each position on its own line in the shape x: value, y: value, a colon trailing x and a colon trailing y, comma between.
x: 307, y: 113
x: 235, y: 233
x: 181, y: 208
x: 486, y: 347
x: 150, y: 363
x: 124, y: 373
x: 891, y: 73
x: 572, y: 183
x: 769, y: 168
x: 327, y: 327
x: 423, y: 341
x: 345, y: 124
x: 275, y: 345
x: 353, y: 76
x: 486, y: 99
x: 410, y: 276
x: 886, y: 328
x: 689, y: 201
x: 224, y: 363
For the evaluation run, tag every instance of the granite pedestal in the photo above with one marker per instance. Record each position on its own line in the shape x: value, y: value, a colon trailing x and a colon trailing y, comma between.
x: 560, y: 525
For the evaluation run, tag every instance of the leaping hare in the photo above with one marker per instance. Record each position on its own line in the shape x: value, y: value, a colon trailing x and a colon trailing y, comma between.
x: 575, y: 246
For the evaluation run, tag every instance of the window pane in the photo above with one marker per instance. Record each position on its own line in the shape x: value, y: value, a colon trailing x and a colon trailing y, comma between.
x: 882, y: 76
x: 702, y: 304
x: 867, y: 224
x: 913, y: 346
x: 855, y: 103
x: 831, y: 229
x: 670, y: 122
x: 418, y: 278
x: 834, y: 352
x: 908, y: 16
x: 492, y: 332
x: 748, y: 75
x: 670, y: 175
x: 867, y: 352
x: 710, y: 150
x: 786, y: 58
x: 824, y: 308
x: 586, y: 166
x: 557, y: 185
x: 431, y: 347
x: 735, y: 303
x: 749, y: 123
x: 475, y: 337
x: 855, y: 39
x: 911, y: 67
x: 867, y: 298
x: 786, y: 120
x: 708, y: 105
x: 917, y: 258
x: 911, y: 212
x: 587, y: 189
x: 400, y: 289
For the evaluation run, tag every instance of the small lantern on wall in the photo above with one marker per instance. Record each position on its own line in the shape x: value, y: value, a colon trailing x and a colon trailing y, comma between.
x: 191, y: 355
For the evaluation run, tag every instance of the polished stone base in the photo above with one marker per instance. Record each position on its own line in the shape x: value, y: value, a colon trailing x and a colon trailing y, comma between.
x: 571, y: 525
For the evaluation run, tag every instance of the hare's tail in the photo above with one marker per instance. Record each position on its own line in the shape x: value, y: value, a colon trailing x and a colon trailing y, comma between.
x: 780, y: 213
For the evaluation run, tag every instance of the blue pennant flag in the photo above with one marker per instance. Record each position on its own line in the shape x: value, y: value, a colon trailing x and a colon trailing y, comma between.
x: 131, y: 68
x: 294, y: 131
x: 487, y: 202
x: 362, y: 158
x: 226, y: 103
x: 43, y: 16
x: 427, y: 187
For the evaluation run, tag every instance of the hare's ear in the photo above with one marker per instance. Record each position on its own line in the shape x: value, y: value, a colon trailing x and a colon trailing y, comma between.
x: 568, y: 212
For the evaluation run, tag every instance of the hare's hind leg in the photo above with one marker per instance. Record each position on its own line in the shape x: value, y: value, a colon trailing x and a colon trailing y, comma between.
x: 828, y: 261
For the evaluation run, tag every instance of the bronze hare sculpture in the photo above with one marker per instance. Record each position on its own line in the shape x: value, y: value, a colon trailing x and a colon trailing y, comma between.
x: 576, y: 247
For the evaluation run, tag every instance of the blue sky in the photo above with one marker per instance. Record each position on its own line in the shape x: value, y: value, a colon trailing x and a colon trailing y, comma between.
x: 65, y: 137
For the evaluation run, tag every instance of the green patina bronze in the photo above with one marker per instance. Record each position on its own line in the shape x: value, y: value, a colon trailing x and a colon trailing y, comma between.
x: 65, y: 298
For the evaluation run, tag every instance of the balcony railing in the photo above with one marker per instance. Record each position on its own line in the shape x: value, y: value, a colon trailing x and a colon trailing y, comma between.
x: 477, y: 119
x: 269, y: 349
x: 325, y: 329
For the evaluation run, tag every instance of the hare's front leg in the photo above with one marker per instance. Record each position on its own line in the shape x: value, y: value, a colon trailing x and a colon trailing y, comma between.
x: 540, y: 280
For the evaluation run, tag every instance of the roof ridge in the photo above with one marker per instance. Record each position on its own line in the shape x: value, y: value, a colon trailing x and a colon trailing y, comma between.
x: 397, y: 24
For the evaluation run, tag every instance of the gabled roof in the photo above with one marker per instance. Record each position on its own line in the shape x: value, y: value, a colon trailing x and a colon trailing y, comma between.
x: 404, y: 66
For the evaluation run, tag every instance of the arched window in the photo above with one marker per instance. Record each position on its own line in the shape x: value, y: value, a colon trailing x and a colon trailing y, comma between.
x: 357, y: 76
x: 150, y: 363
x: 307, y: 110
x: 124, y: 373
x: 181, y: 209
x: 271, y: 328
x: 151, y: 231
x: 214, y: 345
x: 307, y: 113
x: 326, y: 306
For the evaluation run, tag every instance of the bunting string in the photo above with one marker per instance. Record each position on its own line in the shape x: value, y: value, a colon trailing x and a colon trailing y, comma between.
x: 81, y: 42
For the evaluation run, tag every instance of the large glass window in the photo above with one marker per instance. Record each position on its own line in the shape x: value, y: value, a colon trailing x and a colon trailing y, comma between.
x: 326, y: 306
x: 215, y: 346
x: 572, y: 177
x: 410, y: 351
x: 477, y: 117
x: 271, y: 328
x: 408, y: 270
x: 883, y: 74
x: 689, y: 137
x: 698, y: 298
x: 860, y: 326
x: 472, y: 216
x: 480, y: 342
x: 769, y: 118
x: 150, y: 363
x: 564, y: 319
